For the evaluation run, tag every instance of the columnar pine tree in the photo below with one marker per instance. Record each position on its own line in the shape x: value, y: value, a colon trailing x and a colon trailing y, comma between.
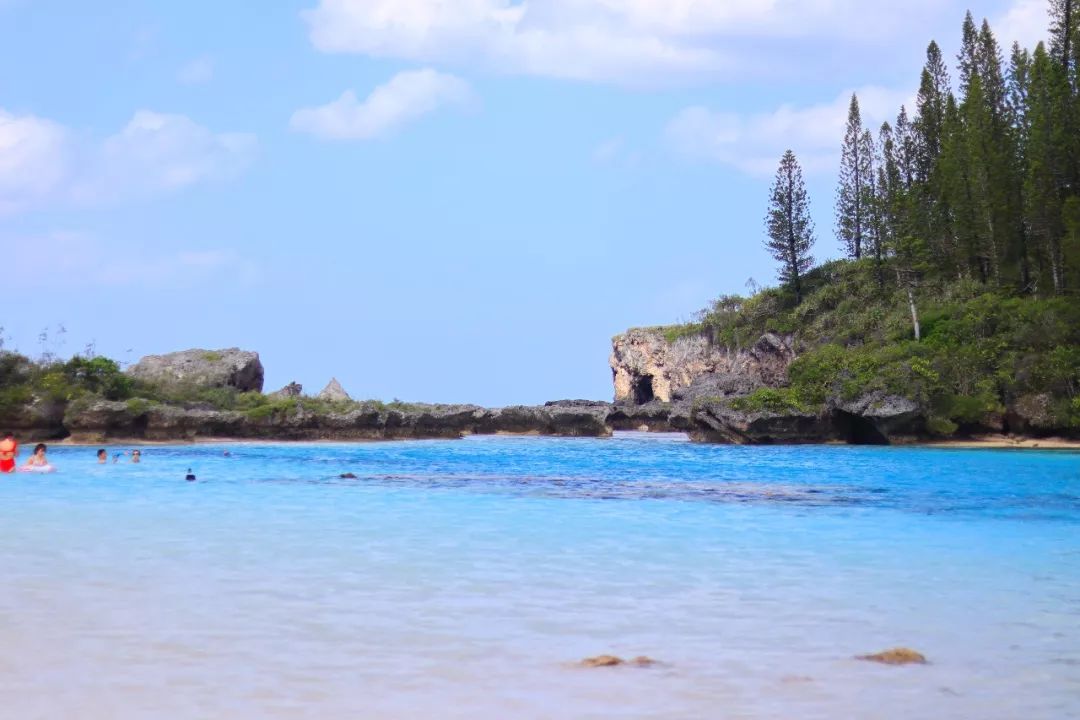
x: 906, y: 148
x: 788, y: 225
x: 853, y: 206
x: 890, y: 193
x: 985, y: 185
x: 1045, y: 180
x: 967, y: 58
x: 1064, y: 24
x: 1017, y: 119
x: 930, y: 107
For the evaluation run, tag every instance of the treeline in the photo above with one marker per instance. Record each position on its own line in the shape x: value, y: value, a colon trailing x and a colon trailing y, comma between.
x: 982, y: 183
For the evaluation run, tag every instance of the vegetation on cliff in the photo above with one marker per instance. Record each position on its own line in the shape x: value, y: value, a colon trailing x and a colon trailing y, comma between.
x: 961, y: 230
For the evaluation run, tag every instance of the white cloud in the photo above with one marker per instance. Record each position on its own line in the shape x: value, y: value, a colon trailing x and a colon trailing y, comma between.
x: 197, y: 72
x: 161, y: 152
x: 404, y: 98
x: 625, y: 41
x: 33, y: 160
x: 42, y: 164
x: 1026, y: 22
x: 82, y: 260
x: 754, y: 143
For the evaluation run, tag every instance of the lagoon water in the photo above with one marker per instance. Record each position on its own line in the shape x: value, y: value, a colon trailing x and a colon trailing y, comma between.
x: 462, y: 579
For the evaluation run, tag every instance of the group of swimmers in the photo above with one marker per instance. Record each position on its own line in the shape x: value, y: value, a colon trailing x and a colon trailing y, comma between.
x: 38, y: 462
x: 103, y: 456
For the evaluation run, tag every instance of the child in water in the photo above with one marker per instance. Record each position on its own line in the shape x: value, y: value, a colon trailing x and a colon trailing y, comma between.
x: 102, y: 456
x: 38, y: 459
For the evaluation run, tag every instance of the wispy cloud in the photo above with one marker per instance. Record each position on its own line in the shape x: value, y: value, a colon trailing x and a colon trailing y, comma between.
x: 82, y: 260
x: 403, y: 99
x: 196, y: 72
x: 754, y: 142
x: 34, y: 160
x: 1025, y: 22
x: 43, y: 164
x: 630, y: 42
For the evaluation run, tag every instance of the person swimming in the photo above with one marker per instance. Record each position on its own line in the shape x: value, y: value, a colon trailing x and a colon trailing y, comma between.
x: 102, y: 456
x: 136, y: 456
x: 9, y: 449
x: 38, y: 459
x: 190, y: 475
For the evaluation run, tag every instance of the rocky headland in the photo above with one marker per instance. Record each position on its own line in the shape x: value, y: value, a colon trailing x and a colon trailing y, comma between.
x: 670, y: 379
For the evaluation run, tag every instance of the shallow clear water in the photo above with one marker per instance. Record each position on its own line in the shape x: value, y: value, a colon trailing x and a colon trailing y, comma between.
x: 461, y: 579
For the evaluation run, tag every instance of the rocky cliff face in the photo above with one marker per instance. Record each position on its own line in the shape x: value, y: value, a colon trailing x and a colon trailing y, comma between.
x: 102, y: 420
x: 230, y: 368
x: 647, y: 367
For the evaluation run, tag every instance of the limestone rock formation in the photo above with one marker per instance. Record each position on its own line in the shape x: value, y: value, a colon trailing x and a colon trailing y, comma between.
x: 720, y: 423
x: 877, y: 418
x: 646, y: 366
x: 1032, y: 414
x: 333, y: 392
x: 102, y: 419
x: 230, y: 368
x: 292, y: 390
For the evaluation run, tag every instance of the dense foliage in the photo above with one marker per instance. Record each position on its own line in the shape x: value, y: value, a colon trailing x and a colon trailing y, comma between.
x: 961, y: 226
x: 982, y: 184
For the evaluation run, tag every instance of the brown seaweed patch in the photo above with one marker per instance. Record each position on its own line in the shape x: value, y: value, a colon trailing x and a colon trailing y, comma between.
x: 614, y: 661
x: 896, y: 656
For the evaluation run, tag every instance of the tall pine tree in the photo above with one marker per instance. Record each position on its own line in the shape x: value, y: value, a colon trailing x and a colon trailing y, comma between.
x: 788, y: 225
x: 854, y: 206
x: 1044, y: 184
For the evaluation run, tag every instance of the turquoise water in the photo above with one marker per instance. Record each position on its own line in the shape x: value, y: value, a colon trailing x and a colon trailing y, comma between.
x: 461, y: 579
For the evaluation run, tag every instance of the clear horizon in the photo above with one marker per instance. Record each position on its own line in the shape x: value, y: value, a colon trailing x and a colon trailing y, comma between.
x: 446, y: 202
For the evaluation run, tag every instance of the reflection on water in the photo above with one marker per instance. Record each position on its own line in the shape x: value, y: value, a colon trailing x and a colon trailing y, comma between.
x: 463, y: 579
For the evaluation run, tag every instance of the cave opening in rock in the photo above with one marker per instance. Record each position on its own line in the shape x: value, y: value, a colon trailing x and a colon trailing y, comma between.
x: 857, y: 430
x: 643, y: 390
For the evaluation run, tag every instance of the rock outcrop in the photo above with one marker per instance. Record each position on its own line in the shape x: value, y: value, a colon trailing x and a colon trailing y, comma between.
x: 292, y: 390
x: 333, y: 392
x: 646, y: 366
x: 876, y: 418
x: 139, y: 420
x: 197, y: 369
x: 720, y: 423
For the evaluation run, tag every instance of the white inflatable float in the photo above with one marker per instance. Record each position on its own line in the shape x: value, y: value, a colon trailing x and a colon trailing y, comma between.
x: 37, y: 468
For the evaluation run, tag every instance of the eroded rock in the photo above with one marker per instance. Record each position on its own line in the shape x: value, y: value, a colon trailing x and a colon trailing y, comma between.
x: 334, y: 392
x: 229, y: 368
x: 646, y: 366
x: 719, y: 422
x: 292, y: 390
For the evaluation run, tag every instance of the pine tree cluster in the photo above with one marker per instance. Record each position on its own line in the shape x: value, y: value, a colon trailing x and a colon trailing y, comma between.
x: 980, y: 183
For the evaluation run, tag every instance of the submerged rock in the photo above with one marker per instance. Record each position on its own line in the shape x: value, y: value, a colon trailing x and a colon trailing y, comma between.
x: 896, y: 656
x: 613, y: 661
x: 334, y: 392
x: 229, y: 368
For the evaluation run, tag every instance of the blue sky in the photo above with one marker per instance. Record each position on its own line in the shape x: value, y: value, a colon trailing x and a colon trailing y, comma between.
x: 441, y: 200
